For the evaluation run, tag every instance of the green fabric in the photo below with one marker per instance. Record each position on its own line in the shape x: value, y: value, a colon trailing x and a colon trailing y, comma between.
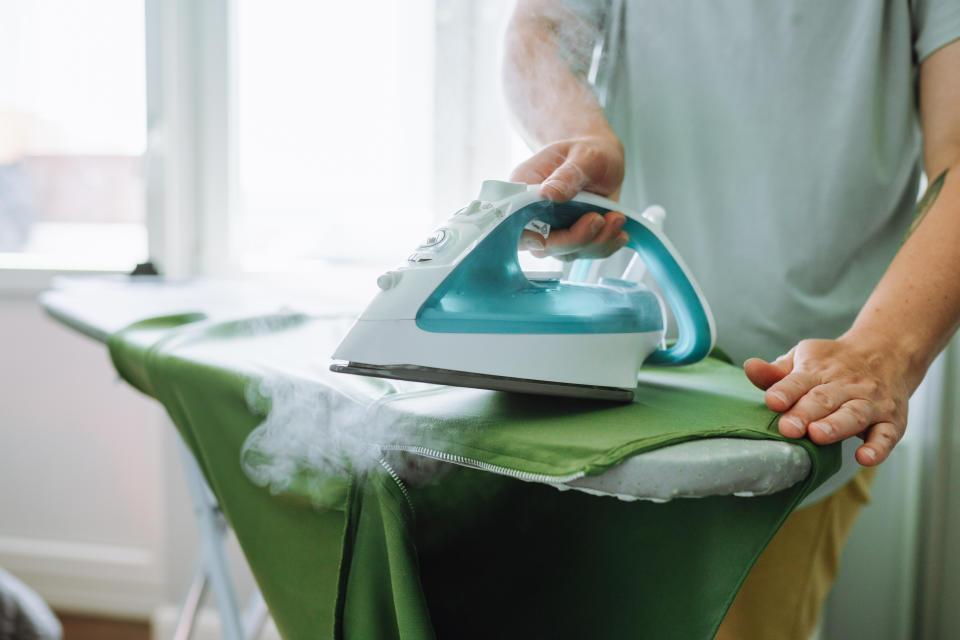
x: 292, y: 547
x: 383, y: 597
x: 485, y: 555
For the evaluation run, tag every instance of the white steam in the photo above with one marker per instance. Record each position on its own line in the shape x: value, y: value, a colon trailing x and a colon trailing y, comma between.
x: 315, y: 431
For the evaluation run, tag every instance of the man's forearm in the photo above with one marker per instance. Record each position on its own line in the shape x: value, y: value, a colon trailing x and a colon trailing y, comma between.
x: 548, y: 100
x: 915, y: 308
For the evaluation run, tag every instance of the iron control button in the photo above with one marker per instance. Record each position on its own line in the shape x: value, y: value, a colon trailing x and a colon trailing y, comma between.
x: 436, y: 239
x: 478, y: 213
x: 417, y: 257
x: 388, y: 280
x: 470, y: 209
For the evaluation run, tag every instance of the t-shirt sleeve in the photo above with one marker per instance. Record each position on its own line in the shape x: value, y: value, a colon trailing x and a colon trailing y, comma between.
x: 935, y: 24
x: 581, y: 26
x: 594, y: 12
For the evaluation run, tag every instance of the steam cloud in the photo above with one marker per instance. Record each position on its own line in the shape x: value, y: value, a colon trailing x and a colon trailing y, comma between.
x: 326, y: 432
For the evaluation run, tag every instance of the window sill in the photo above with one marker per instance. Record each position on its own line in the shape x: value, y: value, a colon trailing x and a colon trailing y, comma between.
x: 27, y: 281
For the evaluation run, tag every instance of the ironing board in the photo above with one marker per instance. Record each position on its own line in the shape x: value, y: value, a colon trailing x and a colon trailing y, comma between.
x: 99, y: 307
x: 724, y: 466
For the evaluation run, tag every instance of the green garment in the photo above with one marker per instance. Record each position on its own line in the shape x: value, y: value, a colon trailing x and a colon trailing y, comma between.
x: 467, y: 553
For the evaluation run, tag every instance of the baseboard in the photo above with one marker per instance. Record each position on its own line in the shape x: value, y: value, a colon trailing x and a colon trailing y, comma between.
x: 83, y: 577
x: 207, y: 626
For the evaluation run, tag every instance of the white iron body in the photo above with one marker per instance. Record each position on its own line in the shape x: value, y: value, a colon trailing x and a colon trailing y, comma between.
x: 386, y: 334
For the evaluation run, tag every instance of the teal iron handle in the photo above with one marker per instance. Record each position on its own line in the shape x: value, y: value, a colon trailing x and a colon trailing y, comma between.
x: 694, y: 325
x: 492, y: 269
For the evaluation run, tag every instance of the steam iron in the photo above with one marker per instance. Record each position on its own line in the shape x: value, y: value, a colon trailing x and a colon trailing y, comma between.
x: 462, y: 312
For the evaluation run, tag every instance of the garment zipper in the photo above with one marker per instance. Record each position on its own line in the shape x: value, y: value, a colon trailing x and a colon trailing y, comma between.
x: 526, y: 476
x: 396, y: 478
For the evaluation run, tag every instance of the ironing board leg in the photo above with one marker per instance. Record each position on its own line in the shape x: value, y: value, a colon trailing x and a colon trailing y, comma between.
x: 213, y: 559
x: 254, y: 615
x: 191, y: 604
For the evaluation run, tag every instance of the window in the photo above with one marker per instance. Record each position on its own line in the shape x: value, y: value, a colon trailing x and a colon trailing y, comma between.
x: 359, y: 125
x: 72, y: 134
x: 284, y: 136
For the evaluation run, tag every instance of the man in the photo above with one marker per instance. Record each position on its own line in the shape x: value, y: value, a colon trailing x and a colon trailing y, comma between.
x: 784, y: 141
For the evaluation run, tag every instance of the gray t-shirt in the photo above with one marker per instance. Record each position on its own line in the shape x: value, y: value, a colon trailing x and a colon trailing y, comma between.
x: 783, y: 140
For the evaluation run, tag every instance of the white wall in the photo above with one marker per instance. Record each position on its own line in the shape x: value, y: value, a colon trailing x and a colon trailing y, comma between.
x: 79, y: 516
x: 94, y: 512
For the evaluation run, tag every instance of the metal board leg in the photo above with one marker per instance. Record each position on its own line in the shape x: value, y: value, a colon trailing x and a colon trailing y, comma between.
x: 254, y: 615
x: 191, y: 603
x: 212, y: 528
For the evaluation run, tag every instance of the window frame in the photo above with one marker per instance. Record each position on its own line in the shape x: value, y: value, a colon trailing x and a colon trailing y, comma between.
x: 188, y: 165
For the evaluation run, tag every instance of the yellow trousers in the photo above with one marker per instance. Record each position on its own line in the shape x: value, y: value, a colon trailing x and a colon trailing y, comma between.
x: 782, y: 596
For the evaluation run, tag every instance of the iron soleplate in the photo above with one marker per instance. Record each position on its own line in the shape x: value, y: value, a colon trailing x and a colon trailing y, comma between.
x: 455, y: 378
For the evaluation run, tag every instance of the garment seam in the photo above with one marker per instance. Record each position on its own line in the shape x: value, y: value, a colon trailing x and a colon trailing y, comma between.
x: 943, y: 35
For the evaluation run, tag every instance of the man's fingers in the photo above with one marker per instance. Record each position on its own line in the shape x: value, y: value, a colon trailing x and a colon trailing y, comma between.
x: 881, y: 440
x: 562, y: 242
x: 765, y: 374
x: 619, y: 241
x: 782, y: 395
x: 613, y: 223
x: 847, y: 421
x: 566, y: 167
x: 536, y: 168
x: 832, y: 391
x: 819, y: 402
x: 565, y: 182
x: 581, y: 233
x: 591, y: 236
x: 762, y: 374
x: 526, y: 173
x: 532, y: 241
x: 609, y: 239
x: 785, y: 362
x: 600, y: 250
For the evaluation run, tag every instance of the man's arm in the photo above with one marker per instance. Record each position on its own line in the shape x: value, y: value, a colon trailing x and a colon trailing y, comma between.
x: 557, y: 113
x: 861, y: 382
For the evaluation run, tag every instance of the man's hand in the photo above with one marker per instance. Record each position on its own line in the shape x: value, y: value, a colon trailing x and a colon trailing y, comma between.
x: 832, y: 390
x: 860, y: 383
x: 593, y: 163
x: 555, y: 107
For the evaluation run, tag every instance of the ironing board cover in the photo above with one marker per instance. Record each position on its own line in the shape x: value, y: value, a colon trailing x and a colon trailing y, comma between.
x: 473, y: 554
